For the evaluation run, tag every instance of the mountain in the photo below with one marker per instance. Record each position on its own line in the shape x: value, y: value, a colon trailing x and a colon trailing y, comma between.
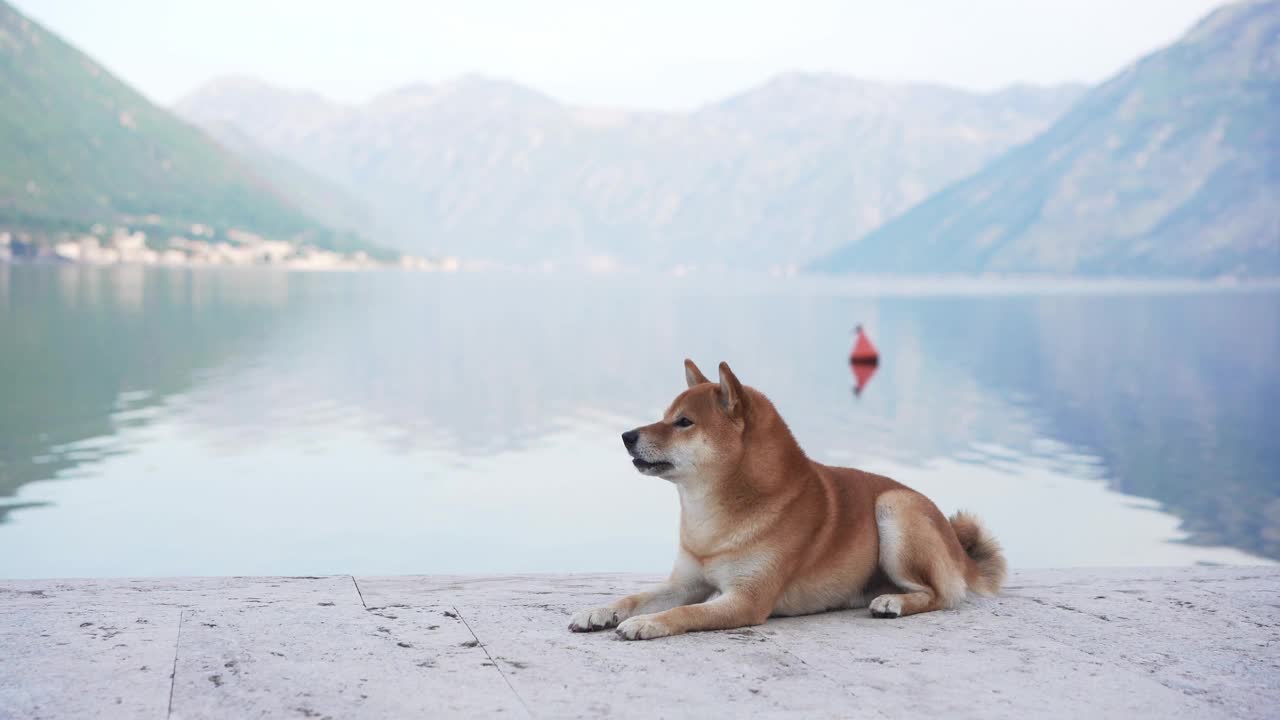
x: 78, y: 147
x: 272, y: 117
x: 318, y: 198
x: 488, y: 169
x: 1172, y: 167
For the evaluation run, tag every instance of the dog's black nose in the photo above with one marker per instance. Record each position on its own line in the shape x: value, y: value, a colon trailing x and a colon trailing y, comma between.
x: 630, y: 437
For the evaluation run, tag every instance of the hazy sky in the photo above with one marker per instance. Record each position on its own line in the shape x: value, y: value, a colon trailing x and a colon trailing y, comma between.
x: 668, y: 54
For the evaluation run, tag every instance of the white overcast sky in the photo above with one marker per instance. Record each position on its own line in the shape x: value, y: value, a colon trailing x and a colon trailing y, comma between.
x: 660, y: 54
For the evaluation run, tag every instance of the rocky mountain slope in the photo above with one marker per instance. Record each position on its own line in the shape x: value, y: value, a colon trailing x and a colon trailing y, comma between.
x: 1172, y: 167
x: 488, y: 169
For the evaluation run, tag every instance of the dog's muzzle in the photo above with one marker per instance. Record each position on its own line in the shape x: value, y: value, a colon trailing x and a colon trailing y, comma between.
x: 630, y: 439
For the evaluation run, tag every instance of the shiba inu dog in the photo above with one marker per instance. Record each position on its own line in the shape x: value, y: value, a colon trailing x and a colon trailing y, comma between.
x: 766, y: 531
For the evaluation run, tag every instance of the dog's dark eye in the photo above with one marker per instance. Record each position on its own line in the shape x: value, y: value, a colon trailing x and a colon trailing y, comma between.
x: 683, y: 422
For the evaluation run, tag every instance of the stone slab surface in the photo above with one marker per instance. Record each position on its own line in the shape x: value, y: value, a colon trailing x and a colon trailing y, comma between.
x: 203, y: 592
x: 64, y: 662
x: 1166, y: 642
x: 335, y: 662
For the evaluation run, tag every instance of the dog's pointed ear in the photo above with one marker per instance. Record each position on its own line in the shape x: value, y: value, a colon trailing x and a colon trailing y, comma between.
x: 692, y: 374
x: 732, y: 397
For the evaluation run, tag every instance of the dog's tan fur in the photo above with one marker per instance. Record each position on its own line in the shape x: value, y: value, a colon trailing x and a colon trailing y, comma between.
x: 766, y: 531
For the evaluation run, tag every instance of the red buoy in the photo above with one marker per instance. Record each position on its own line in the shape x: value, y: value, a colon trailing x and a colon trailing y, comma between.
x: 862, y: 373
x: 864, y: 353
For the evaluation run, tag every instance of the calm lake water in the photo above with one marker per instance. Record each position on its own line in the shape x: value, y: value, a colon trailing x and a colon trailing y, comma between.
x: 171, y: 422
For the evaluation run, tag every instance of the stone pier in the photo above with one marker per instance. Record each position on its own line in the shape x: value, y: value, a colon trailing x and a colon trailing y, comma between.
x: 1160, y: 643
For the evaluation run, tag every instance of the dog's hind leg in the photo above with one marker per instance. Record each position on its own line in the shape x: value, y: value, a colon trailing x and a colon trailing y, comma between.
x: 919, y: 553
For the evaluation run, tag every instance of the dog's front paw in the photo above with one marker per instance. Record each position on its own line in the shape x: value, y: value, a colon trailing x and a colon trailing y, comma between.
x: 644, y: 627
x: 595, y: 619
x: 886, y: 606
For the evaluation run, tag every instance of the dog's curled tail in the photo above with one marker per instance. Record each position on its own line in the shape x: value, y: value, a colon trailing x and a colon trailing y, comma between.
x: 986, y: 570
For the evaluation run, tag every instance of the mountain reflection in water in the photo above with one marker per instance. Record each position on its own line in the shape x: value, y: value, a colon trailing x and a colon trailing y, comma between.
x: 308, y: 415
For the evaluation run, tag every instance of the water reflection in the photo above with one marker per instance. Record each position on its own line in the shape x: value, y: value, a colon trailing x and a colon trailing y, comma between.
x: 863, y: 360
x: 862, y: 374
x: 359, y: 419
x: 89, y: 352
x: 1175, y: 394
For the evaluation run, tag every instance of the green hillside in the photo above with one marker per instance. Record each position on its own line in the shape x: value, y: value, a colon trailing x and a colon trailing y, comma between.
x: 317, y: 197
x: 79, y: 147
